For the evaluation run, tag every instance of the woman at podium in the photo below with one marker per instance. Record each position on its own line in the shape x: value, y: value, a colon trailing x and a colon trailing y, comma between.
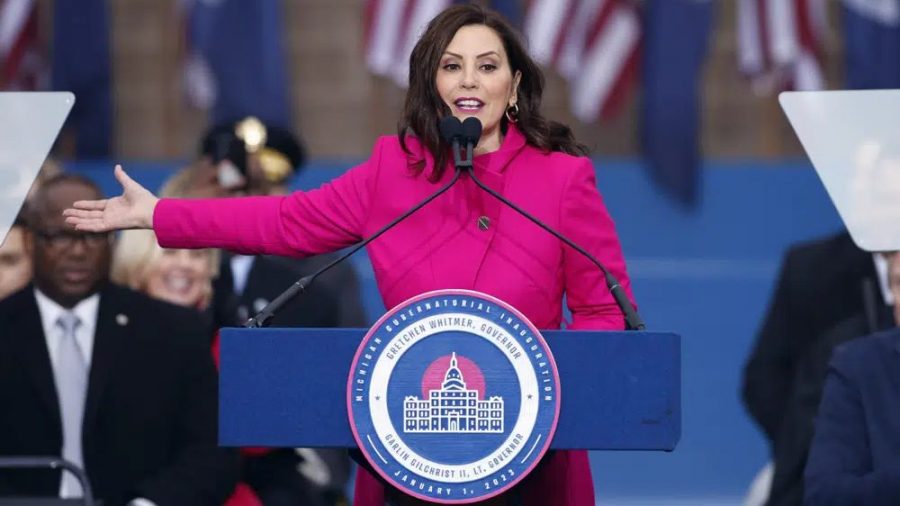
x: 468, y: 63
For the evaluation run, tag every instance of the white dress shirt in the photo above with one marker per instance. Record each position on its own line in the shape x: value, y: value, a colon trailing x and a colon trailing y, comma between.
x: 86, y: 311
x: 881, y: 270
x: 240, y: 271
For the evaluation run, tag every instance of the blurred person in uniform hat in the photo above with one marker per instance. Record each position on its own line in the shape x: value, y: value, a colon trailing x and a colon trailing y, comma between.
x: 250, y: 158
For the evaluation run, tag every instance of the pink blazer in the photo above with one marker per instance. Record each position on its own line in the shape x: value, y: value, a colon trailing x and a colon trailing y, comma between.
x: 442, y: 246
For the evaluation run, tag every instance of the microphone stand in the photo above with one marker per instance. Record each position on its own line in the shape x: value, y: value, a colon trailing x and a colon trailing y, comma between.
x: 262, y: 318
x: 462, y: 165
x: 632, y: 318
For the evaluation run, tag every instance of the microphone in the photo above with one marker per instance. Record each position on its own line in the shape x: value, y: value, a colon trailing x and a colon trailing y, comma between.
x: 471, y: 132
x: 450, y: 129
x: 468, y: 132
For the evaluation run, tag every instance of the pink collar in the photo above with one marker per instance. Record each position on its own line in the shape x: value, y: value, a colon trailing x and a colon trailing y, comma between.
x: 497, y: 161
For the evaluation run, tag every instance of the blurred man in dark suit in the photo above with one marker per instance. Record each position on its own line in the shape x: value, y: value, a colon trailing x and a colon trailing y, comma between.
x: 822, y: 284
x: 855, y: 453
x: 797, y: 429
x: 114, y: 381
x: 857, y: 430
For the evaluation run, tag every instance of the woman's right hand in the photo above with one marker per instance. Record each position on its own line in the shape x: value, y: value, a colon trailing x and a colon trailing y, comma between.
x: 133, y: 209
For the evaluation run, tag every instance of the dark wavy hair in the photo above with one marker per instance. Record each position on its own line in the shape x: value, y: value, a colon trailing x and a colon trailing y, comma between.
x: 424, y: 108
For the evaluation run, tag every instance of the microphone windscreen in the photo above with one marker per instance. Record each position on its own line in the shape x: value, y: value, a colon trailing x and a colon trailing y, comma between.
x: 471, y: 130
x: 451, y: 128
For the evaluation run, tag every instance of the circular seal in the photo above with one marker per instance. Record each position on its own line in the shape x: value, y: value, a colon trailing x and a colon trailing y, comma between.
x: 453, y: 396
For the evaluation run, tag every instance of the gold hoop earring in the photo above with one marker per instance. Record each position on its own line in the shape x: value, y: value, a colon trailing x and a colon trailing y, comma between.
x: 512, y: 113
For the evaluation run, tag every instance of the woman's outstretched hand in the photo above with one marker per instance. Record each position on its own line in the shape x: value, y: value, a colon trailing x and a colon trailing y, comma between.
x: 133, y: 209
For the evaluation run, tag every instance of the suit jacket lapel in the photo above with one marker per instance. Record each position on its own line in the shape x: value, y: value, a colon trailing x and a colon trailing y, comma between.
x: 112, y: 325
x: 28, y: 336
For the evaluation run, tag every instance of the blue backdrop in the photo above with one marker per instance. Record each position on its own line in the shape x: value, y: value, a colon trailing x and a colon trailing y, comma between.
x: 706, y: 274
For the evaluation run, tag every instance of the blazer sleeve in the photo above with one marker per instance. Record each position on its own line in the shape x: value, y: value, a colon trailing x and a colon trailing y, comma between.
x: 585, y: 220
x: 839, y: 470
x: 200, y: 472
x: 302, y: 224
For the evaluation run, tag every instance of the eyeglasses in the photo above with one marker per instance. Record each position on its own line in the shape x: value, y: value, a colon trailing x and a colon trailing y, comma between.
x: 65, y: 239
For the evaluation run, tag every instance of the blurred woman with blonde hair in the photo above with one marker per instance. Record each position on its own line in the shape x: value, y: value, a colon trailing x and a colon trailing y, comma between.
x: 180, y: 276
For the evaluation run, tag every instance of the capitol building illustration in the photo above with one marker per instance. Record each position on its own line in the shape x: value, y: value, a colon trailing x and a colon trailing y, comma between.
x: 453, y: 408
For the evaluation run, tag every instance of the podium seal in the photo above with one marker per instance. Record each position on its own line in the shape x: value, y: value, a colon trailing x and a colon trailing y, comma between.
x: 453, y: 396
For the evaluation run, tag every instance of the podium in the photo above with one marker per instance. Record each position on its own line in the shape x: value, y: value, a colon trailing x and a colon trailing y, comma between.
x: 288, y: 388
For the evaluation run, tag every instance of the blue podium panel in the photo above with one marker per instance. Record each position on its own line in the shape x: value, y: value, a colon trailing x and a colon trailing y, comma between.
x: 288, y: 388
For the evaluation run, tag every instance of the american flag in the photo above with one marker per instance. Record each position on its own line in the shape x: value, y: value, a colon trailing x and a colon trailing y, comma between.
x: 233, y: 59
x: 871, y: 43
x: 780, y: 43
x: 392, y: 29
x: 23, y: 67
x: 198, y: 80
x: 595, y: 46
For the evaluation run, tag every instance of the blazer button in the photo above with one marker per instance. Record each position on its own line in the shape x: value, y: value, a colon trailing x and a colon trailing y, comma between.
x: 484, y: 222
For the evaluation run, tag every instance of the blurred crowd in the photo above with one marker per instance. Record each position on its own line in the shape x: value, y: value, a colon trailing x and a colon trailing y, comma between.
x: 132, y: 342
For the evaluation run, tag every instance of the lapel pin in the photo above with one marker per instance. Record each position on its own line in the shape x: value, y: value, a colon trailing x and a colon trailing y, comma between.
x: 122, y: 319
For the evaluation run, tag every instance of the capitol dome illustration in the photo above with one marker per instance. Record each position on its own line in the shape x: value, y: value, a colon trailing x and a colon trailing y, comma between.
x: 453, y: 408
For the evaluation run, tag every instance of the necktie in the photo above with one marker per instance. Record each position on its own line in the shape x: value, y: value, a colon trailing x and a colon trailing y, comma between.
x: 71, y: 386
